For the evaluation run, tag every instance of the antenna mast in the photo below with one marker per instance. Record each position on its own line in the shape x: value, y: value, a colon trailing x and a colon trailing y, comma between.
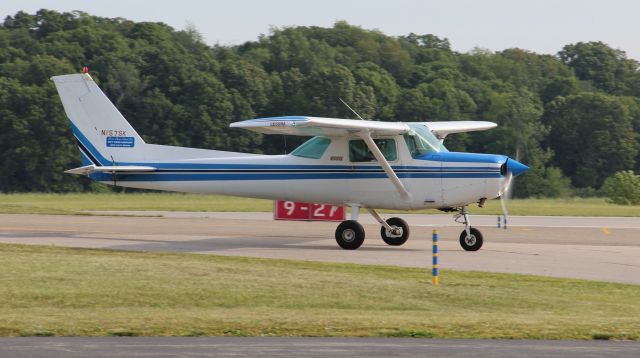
x: 351, y: 109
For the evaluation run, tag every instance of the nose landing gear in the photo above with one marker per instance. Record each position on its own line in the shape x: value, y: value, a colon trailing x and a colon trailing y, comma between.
x: 470, y: 238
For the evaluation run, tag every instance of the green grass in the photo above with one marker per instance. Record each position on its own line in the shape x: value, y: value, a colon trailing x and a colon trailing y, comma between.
x: 79, y: 203
x: 558, y: 207
x: 82, y: 292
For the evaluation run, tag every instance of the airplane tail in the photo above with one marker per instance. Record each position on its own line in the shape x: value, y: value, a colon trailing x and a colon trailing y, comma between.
x: 103, y: 135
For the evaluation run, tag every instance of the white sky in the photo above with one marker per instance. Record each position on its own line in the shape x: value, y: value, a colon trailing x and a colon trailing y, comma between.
x: 542, y: 26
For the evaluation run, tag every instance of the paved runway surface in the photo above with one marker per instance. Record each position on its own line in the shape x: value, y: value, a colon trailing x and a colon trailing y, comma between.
x: 72, y: 347
x: 589, y: 248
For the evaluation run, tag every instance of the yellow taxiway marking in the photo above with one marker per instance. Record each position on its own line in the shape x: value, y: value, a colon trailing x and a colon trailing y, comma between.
x: 605, y: 231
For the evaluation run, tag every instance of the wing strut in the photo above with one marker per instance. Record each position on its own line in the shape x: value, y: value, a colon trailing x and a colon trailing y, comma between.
x: 366, y: 136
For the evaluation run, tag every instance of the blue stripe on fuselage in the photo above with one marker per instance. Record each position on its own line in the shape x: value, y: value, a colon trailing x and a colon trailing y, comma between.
x: 280, y: 176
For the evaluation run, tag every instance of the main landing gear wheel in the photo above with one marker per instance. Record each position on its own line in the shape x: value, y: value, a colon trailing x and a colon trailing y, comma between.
x: 350, y: 235
x: 472, y: 242
x: 400, y: 236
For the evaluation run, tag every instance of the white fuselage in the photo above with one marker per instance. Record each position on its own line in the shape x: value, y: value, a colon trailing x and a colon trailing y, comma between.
x: 443, y: 179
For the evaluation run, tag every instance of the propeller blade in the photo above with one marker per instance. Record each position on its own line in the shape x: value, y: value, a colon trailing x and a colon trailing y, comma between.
x: 506, y: 195
x: 512, y: 168
x: 505, y: 212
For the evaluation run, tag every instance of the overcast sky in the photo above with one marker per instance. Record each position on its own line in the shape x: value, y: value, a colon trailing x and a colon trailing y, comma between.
x: 542, y: 26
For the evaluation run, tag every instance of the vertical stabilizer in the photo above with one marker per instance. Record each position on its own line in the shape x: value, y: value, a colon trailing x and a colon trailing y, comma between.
x: 104, y: 136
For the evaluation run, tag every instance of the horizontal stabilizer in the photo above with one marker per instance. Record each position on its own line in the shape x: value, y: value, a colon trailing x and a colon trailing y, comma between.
x: 88, y: 169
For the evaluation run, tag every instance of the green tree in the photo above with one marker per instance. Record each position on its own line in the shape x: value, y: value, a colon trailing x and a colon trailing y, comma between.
x: 623, y: 188
x: 412, y: 106
x: 608, y: 69
x: 324, y: 89
x: 35, y: 140
x: 558, y: 87
x: 385, y: 88
x: 250, y: 80
x: 592, y: 137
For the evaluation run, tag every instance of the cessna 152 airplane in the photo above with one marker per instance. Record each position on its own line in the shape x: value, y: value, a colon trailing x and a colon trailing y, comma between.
x: 362, y: 164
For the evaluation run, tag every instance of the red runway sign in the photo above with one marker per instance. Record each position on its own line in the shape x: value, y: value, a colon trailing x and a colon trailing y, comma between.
x: 291, y: 210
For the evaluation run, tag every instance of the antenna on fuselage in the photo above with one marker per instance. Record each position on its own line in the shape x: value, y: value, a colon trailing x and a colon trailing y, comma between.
x: 351, y: 109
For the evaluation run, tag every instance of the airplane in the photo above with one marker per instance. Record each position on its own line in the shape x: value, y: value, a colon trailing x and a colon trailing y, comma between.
x: 347, y: 162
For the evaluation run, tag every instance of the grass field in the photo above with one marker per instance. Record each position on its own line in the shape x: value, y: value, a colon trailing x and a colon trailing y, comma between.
x: 81, y: 292
x: 78, y: 203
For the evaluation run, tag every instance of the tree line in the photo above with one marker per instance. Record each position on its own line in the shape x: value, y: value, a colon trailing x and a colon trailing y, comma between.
x: 573, y: 117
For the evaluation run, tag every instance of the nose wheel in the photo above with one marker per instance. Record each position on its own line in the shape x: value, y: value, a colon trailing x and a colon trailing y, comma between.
x: 470, y: 238
x: 472, y: 241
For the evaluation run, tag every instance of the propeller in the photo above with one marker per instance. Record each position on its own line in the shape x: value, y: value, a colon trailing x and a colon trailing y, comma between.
x: 511, y: 169
x: 506, y: 196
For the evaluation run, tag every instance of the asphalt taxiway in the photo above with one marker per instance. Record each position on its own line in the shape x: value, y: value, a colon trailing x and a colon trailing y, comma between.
x: 72, y: 347
x: 606, y: 249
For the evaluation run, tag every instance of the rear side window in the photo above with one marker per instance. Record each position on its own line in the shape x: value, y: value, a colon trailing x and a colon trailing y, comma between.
x: 314, y: 148
x: 359, y: 152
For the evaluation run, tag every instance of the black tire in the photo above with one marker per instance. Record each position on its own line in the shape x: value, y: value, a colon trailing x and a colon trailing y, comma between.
x: 395, y: 240
x: 474, y: 242
x: 350, y: 235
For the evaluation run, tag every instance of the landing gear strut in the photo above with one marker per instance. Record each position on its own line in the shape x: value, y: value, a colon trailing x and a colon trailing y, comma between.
x: 394, y: 231
x: 470, y: 238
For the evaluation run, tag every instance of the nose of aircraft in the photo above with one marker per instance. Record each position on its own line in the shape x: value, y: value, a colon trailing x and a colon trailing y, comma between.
x: 515, y: 167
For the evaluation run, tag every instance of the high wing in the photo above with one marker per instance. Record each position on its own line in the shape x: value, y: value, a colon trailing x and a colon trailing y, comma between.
x: 317, y: 126
x: 442, y: 129
x: 335, y: 127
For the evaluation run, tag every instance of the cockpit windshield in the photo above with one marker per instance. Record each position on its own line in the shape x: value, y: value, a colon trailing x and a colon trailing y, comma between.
x: 314, y: 148
x: 421, y: 141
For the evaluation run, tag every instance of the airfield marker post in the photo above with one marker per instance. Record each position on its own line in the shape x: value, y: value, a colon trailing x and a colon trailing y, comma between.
x: 434, y: 272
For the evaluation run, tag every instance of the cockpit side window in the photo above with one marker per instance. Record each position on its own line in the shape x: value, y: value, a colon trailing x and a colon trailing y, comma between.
x: 314, y: 148
x: 359, y: 152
